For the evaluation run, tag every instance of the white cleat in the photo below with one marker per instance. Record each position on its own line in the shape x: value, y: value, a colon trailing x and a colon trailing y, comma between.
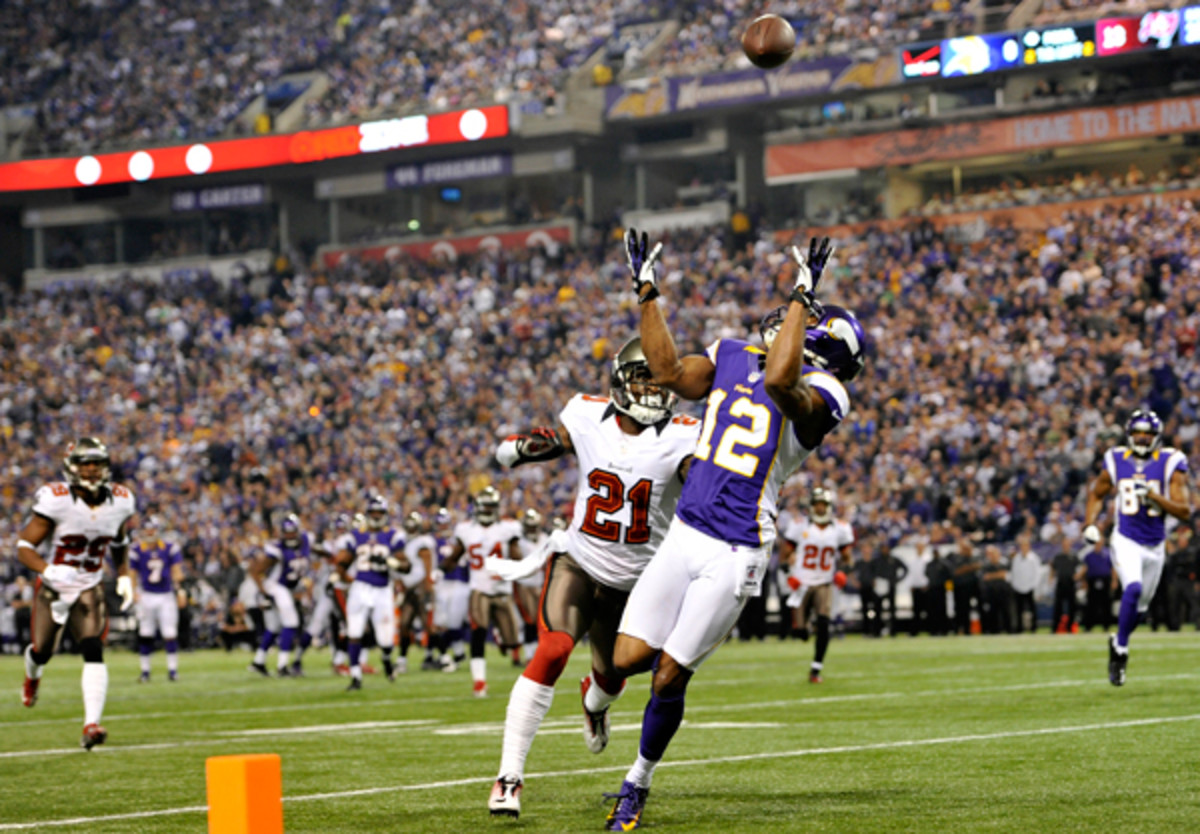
x: 505, y: 799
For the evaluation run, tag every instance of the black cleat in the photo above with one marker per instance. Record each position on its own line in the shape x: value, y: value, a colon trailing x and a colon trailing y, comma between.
x: 260, y: 669
x: 355, y: 685
x: 1116, y: 662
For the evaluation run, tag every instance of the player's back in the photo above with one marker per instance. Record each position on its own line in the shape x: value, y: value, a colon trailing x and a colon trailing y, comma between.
x: 628, y: 487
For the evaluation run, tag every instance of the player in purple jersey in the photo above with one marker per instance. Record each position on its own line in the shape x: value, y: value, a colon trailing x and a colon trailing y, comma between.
x: 1148, y: 482
x: 159, y: 566
x: 767, y: 411
x: 451, y: 596
x: 278, y: 573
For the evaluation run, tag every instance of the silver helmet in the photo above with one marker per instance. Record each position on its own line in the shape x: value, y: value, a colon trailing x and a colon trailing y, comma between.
x: 634, y: 391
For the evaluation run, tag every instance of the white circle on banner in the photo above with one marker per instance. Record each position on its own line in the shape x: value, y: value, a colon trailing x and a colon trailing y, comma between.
x: 472, y: 124
x: 87, y: 170
x: 199, y: 159
x: 141, y: 166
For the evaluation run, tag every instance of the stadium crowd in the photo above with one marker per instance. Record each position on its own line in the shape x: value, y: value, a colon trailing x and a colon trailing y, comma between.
x: 999, y: 373
x: 94, y: 67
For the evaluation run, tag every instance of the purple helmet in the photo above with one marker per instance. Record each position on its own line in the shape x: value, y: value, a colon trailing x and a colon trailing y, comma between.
x: 836, y: 343
x: 1144, y: 420
x: 289, y: 529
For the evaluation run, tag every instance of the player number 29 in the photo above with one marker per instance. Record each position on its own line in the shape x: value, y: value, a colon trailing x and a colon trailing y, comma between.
x: 753, y: 437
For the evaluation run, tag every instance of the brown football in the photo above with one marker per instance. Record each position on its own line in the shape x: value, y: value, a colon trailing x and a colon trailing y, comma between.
x: 769, y: 41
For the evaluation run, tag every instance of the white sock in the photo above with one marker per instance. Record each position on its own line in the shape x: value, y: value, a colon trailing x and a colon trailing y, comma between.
x: 172, y: 662
x: 32, y: 670
x: 284, y: 657
x: 642, y: 772
x: 527, y: 706
x: 95, y: 689
x: 596, y: 699
x: 340, y: 658
x: 144, y: 660
x: 478, y: 669
x: 457, y: 647
x: 260, y: 657
x: 816, y: 667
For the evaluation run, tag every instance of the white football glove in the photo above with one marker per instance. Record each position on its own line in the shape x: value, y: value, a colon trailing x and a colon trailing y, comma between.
x: 58, y: 577
x: 125, y: 591
x: 397, y: 565
x: 1091, y: 534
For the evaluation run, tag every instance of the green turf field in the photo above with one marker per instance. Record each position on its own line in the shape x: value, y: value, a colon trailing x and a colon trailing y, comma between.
x: 1019, y: 733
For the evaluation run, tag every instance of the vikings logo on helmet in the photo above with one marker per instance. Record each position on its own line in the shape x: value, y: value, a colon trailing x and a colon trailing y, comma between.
x: 341, y: 522
x: 443, y: 521
x: 289, y: 530
x: 487, y: 505
x: 1144, y: 421
x: 834, y: 344
x: 377, y: 512
x: 414, y: 522
x: 84, y: 451
x: 634, y: 391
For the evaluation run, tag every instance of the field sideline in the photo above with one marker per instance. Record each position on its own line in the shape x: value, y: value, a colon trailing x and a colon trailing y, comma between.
x: 1014, y: 733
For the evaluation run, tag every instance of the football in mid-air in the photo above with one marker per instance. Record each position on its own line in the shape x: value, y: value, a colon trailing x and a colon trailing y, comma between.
x: 768, y: 41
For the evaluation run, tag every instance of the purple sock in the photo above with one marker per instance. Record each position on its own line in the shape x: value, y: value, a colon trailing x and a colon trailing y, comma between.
x: 355, y: 653
x: 659, y: 723
x: 144, y: 648
x: 172, y: 646
x: 287, y: 639
x: 1128, y: 617
x: 267, y: 640
x: 305, y: 640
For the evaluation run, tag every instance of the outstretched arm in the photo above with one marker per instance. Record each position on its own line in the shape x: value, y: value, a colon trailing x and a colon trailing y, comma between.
x: 540, y: 444
x: 690, y: 377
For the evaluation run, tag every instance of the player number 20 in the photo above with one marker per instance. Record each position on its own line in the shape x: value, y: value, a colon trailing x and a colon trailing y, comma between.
x: 753, y: 437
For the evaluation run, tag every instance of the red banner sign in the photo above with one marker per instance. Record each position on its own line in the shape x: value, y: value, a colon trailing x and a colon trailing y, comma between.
x: 258, y: 152
x: 450, y: 248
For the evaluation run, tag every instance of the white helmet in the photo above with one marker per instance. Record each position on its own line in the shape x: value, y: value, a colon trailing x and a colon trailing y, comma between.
x: 820, y: 495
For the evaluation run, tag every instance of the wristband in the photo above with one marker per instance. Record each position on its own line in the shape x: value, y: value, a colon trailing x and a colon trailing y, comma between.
x: 23, y: 543
x: 649, y: 295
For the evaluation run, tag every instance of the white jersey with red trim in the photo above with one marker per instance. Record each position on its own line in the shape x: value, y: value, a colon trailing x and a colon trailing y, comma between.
x: 818, y: 547
x: 628, y: 488
x: 82, y: 533
x: 481, y: 542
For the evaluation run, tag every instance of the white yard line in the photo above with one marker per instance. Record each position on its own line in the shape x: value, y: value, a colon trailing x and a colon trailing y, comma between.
x: 747, y: 757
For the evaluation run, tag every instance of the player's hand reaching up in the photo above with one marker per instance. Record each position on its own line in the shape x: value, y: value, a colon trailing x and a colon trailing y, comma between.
x: 642, y: 264
x: 809, y: 268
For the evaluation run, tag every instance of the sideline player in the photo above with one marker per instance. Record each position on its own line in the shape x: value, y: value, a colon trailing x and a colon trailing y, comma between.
x: 632, y: 457
x: 372, y: 551
x: 278, y: 573
x: 490, y: 604
x: 1148, y: 481
x: 766, y: 412
x: 82, y: 519
x: 159, y: 566
x: 815, y: 547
